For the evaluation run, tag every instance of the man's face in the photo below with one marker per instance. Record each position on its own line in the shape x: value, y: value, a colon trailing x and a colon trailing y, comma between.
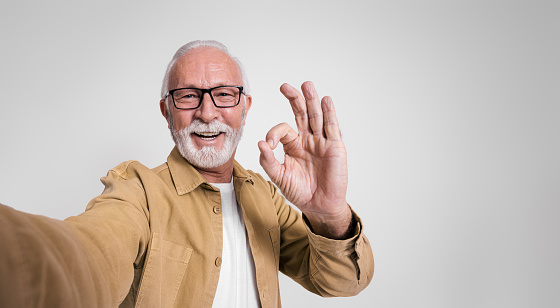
x: 206, y: 136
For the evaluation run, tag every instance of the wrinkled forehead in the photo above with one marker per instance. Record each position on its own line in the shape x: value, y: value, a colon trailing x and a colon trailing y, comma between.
x: 204, y: 67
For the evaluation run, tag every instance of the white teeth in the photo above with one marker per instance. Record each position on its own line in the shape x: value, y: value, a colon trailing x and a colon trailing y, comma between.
x: 207, y: 134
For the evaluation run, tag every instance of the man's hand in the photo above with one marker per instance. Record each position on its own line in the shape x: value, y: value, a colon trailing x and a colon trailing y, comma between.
x: 314, y: 175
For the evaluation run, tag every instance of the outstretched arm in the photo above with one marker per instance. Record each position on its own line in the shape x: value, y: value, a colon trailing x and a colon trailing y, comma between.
x: 314, y: 175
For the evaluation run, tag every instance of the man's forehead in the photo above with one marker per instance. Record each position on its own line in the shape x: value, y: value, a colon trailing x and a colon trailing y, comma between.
x: 204, y: 66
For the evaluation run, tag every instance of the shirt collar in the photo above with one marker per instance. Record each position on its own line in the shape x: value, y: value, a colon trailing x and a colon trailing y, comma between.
x: 186, y: 178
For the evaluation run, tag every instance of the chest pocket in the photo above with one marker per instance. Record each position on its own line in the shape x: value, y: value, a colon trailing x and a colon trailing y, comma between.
x: 165, y: 266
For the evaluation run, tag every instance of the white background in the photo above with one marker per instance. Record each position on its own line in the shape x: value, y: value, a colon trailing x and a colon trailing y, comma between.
x: 450, y: 112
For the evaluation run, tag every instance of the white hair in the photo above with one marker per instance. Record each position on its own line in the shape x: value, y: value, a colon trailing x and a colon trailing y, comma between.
x: 196, y: 44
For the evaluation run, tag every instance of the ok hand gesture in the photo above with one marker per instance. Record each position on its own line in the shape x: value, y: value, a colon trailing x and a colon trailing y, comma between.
x: 314, y: 175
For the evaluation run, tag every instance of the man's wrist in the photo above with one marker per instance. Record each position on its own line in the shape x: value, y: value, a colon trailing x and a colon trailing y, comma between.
x: 337, y: 227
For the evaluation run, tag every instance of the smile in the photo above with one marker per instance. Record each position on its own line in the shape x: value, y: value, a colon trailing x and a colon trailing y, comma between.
x: 208, y: 135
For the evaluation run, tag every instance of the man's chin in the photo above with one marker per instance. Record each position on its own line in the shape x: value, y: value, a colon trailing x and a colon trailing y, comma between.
x: 206, y: 149
x: 205, y: 158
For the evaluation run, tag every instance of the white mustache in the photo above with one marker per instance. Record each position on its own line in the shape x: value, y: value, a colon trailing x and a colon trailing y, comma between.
x: 197, y: 126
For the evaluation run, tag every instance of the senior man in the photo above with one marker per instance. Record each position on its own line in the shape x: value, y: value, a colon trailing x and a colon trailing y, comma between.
x: 199, y: 230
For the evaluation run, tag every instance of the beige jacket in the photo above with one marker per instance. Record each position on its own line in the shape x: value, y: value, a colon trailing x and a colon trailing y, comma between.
x: 154, y: 239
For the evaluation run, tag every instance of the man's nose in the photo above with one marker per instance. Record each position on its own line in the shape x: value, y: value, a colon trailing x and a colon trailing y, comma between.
x: 207, y: 111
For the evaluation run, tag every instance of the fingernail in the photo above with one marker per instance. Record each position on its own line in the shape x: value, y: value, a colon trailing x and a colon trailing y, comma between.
x: 270, y: 142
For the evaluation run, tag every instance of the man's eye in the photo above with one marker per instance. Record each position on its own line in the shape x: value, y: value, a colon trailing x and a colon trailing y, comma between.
x: 188, y: 96
x: 224, y: 94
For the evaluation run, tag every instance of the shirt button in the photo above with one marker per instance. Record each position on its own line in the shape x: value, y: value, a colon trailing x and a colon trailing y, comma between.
x: 217, y: 210
x: 218, y: 261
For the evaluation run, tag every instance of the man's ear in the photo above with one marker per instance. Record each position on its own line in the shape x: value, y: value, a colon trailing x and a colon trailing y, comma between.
x: 248, y: 103
x: 164, y: 110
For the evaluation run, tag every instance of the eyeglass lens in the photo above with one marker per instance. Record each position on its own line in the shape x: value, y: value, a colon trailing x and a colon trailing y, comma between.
x: 222, y: 97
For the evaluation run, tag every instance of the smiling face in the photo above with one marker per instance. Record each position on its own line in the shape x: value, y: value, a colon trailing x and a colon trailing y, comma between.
x: 206, y: 136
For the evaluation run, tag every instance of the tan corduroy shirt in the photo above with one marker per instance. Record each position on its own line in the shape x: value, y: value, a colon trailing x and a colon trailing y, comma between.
x: 154, y: 239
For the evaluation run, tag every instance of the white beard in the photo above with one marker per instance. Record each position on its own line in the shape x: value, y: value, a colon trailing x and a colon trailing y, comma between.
x: 207, y: 157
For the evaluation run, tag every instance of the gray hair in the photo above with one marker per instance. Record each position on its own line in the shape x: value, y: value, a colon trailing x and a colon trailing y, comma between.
x: 196, y: 44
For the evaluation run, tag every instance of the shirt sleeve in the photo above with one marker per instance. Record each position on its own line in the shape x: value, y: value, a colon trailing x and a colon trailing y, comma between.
x: 115, y: 231
x: 85, y: 261
x: 324, y: 266
x: 44, y: 264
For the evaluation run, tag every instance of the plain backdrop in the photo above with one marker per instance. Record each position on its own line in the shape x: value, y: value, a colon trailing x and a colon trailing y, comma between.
x: 450, y: 113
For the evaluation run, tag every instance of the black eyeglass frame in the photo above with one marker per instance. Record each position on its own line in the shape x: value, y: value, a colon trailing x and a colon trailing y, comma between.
x: 204, y: 91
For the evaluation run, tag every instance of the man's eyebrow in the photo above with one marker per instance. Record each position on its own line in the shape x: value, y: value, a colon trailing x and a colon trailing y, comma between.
x: 219, y: 84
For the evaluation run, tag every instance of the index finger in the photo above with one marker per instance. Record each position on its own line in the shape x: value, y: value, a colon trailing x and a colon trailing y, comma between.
x: 298, y: 107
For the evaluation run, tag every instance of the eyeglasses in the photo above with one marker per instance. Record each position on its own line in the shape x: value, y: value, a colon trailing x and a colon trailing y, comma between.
x: 191, y: 98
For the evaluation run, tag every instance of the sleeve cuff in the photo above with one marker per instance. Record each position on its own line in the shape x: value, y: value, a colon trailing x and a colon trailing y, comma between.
x: 335, y: 247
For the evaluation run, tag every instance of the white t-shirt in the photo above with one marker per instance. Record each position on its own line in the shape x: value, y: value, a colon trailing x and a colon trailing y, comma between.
x: 237, y: 286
